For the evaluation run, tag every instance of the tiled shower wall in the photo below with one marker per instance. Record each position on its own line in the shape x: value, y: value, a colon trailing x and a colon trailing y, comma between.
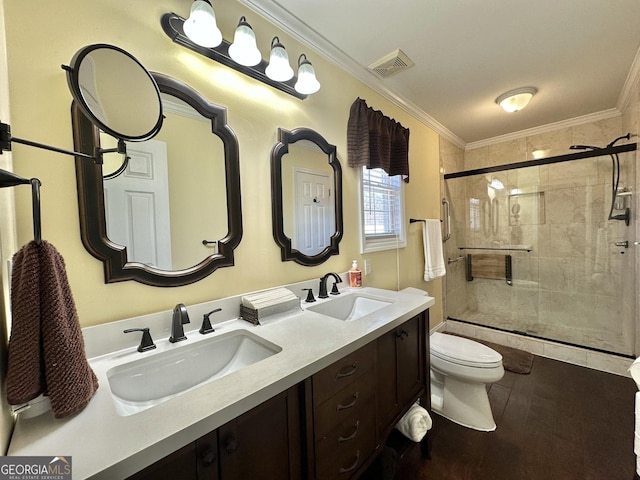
x: 575, y: 285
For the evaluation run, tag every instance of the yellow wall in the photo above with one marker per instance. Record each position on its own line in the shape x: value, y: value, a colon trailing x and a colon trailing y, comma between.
x: 43, y: 35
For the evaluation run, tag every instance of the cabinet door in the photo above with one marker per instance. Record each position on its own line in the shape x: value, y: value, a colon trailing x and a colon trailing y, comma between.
x: 387, y: 379
x: 207, y: 458
x: 411, y: 363
x: 400, y: 367
x: 180, y: 464
x: 264, y: 443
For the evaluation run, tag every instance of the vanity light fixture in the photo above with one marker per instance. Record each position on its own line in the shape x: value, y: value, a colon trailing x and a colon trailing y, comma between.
x: 307, y: 82
x: 234, y: 55
x: 517, y: 99
x: 201, y: 26
x: 244, y: 49
x: 278, y: 68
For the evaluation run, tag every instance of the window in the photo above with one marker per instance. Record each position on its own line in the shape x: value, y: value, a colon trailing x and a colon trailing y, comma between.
x: 382, y: 201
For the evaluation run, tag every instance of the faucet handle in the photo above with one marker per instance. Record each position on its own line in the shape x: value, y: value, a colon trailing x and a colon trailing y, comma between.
x: 310, y: 298
x: 180, y: 317
x: 334, y: 289
x: 146, y: 343
x: 206, y: 323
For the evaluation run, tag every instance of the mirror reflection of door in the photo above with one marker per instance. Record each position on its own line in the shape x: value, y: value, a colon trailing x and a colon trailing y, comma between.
x: 308, y: 176
x: 168, y: 234
x: 313, y: 213
x: 137, y: 205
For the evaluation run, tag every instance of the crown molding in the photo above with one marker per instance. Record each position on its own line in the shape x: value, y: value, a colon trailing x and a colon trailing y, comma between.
x: 630, y: 84
x: 549, y: 127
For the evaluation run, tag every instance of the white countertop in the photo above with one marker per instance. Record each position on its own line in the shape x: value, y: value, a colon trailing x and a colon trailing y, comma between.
x: 105, y: 445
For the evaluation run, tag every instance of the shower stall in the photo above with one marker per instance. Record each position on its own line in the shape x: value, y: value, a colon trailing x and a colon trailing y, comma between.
x: 546, y: 248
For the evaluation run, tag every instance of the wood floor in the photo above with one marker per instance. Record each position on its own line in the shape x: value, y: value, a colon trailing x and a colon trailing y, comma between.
x: 561, y: 422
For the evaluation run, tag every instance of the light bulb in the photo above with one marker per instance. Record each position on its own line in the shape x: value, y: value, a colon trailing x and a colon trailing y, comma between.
x: 278, y: 68
x: 244, y: 50
x: 307, y: 82
x: 201, y: 27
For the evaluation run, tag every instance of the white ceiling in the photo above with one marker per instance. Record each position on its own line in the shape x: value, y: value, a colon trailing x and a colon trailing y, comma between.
x: 579, y: 54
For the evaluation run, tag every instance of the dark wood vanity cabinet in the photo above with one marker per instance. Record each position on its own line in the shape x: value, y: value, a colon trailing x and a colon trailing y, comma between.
x: 353, y: 404
x: 331, y: 426
x: 262, y: 444
x: 401, y: 362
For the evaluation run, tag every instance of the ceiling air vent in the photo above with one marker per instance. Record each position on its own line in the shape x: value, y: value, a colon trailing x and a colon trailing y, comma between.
x: 391, y: 64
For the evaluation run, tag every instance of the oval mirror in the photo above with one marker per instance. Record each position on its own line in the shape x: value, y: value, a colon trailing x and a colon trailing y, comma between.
x: 115, y: 92
x: 172, y: 216
x: 306, y: 192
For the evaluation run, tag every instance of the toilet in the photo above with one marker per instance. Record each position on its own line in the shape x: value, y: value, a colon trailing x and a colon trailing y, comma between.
x: 460, y: 371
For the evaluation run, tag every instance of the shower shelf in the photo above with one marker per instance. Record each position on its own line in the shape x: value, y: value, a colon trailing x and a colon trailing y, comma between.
x: 519, y: 248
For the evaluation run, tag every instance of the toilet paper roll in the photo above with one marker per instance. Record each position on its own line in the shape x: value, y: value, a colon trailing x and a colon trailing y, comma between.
x: 634, y: 370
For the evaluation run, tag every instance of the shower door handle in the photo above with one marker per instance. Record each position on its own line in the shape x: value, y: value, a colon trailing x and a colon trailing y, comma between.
x: 447, y: 220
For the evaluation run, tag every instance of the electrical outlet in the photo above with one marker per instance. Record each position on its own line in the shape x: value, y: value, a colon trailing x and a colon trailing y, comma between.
x: 367, y: 266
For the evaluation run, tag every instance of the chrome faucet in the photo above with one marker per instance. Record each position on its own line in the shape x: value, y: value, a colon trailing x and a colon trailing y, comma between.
x: 180, y: 317
x: 323, y: 285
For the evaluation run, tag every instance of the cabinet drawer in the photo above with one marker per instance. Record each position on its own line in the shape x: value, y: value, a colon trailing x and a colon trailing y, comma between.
x: 343, y: 461
x: 337, y: 409
x: 336, y: 376
x: 350, y: 431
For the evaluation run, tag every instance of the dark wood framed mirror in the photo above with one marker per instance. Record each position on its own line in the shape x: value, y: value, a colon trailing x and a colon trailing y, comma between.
x: 213, y: 190
x: 306, y: 197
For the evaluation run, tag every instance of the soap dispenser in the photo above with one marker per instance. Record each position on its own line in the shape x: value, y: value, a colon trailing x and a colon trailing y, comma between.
x: 355, y: 275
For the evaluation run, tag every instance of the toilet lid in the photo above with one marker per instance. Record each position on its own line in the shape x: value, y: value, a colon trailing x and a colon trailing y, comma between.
x: 463, y: 351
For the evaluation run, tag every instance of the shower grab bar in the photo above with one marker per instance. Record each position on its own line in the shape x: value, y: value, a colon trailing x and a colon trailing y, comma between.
x: 454, y: 260
x: 517, y: 249
x: 447, y: 220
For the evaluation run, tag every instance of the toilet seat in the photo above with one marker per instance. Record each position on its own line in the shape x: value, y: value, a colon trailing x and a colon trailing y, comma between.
x: 463, y: 351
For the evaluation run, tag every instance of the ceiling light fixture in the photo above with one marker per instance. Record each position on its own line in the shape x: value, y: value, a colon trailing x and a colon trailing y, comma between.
x: 517, y: 99
x: 244, y: 49
x: 307, y: 82
x: 279, y: 68
x: 201, y: 25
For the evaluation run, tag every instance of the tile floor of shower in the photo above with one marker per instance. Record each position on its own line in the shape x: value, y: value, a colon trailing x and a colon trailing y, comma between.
x: 543, y: 347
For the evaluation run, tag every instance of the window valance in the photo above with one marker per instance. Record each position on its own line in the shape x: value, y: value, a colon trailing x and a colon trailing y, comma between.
x: 377, y: 141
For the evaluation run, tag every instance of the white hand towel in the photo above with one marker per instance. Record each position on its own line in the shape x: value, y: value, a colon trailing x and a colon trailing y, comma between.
x: 636, y: 444
x: 637, y: 414
x: 415, y: 423
x: 634, y: 370
x: 433, y: 258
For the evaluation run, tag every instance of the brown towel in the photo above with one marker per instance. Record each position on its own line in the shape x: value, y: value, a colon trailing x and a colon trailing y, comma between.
x: 46, y: 349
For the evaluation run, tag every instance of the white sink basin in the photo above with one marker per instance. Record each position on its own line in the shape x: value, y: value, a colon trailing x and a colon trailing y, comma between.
x: 147, y: 382
x: 351, y: 307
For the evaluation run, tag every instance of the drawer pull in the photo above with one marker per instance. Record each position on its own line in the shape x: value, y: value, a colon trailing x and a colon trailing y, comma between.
x: 352, y: 436
x: 352, y: 467
x: 348, y: 373
x: 349, y: 405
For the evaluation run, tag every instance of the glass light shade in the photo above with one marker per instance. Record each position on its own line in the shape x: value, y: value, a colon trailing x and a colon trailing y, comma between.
x: 278, y: 68
x: 496, y: 184
x: 516, y: 99
x: 201, y: 27
x: 307, y: 82
x: 244, y: 50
